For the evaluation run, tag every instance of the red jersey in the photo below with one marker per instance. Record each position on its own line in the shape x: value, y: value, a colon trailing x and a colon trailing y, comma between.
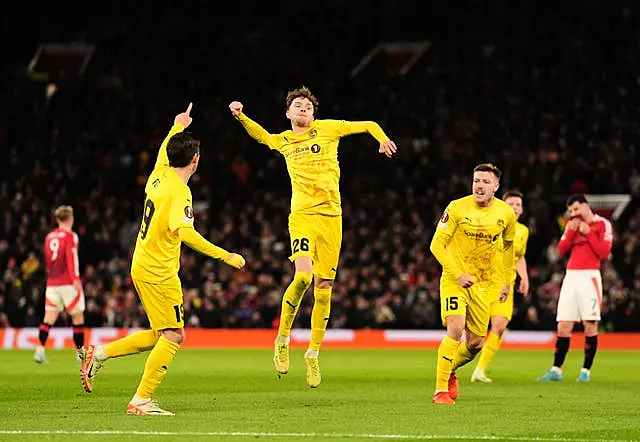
x: 587, y: 251
x: 61, y: 255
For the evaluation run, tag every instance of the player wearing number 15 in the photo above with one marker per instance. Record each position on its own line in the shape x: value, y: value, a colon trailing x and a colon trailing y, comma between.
x: 310, y: 150
x: 167, y: 222
x: 476, y: 266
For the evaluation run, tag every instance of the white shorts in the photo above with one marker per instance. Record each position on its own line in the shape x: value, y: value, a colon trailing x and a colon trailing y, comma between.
x: 580, y: 296
x: 64, y: 297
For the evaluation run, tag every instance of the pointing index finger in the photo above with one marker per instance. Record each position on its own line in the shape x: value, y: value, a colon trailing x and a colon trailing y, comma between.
x: 189, y: 108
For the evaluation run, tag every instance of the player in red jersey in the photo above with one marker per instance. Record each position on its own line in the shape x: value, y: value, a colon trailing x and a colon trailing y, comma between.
x: 588, y: 237
x: 64, y: 287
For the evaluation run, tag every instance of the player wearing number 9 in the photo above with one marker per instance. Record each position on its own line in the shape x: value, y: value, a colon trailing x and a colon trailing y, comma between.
x: 167, y: 222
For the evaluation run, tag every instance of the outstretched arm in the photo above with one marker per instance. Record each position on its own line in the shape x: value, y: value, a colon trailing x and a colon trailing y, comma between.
x: 197, y: 242
x: 387, y: 146
x: 256, y: 131
x: 180, y: 123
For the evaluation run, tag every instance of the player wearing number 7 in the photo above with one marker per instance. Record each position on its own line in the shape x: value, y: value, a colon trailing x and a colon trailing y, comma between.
x: 588, y: 238
x: 310, y: 150
x: 476, y: 266
x: 167, y: 222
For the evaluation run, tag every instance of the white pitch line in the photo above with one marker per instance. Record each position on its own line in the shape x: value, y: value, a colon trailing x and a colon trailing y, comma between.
x: 304, y: 435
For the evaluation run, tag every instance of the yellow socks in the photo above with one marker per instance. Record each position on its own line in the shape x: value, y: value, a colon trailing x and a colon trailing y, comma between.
x: 134, y: 343
x: 463, y: 356
x: 291, y: 301
x: 491, y: 346
x: 446, y: 354
x: 155, y: 368
x: 319, y: 316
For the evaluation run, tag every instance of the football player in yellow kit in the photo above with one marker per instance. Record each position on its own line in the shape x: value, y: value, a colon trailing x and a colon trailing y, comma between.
x: 467, y: 244
x: 501, y: 312
x: 310, y: 150
x: 167, y: 222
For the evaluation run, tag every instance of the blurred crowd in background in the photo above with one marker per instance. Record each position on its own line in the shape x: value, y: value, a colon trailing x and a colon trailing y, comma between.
x: 550, y: 95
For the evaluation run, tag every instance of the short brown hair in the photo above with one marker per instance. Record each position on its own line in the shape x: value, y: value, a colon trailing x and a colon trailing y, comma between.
x: 488, y: 167
x: 302, y: 92
x: 63, y: 213
x: 512, y: 194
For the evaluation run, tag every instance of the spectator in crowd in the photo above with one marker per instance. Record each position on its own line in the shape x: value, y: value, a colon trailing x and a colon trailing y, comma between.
x: 551, y: 98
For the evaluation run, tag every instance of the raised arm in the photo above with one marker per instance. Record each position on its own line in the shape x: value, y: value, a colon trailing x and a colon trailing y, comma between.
x: 180, y: 123
x: 256, y: 131
x: 387, y: 146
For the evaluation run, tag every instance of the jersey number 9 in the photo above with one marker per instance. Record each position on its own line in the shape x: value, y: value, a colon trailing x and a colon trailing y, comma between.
x: 149, y: 209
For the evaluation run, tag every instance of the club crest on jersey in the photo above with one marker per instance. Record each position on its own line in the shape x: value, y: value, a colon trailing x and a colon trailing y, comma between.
x: 313, y: 133
x: 188, y: 211
x: 315, y: 148
x: 445, y: 217
x: 500, y: 223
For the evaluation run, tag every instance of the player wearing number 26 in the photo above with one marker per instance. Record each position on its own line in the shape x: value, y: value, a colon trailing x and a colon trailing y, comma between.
x: 310, y: 150
x: 476, y: 267
x: 167, y: 222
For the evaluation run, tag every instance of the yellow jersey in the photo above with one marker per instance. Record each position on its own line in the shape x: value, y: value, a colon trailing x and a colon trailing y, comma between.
x: 312, y: 160
x: 167, y: 207
x: 473, y: 237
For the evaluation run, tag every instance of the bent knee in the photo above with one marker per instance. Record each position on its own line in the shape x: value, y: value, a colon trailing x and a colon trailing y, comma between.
x: 499, y: 325
x: 174, y: 335
x: 474, y: 342
x: 323, y: 283
x: 303, y: 279
x: 455, y: 327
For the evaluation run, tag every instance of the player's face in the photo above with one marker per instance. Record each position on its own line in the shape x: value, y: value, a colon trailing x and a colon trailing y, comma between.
x: 485, y: 185
x: 301, y: 112
x: 516, y: 204
x: 579, y: 210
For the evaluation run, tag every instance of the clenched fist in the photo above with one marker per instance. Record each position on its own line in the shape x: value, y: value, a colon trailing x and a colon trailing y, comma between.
x: 235, y: 260
x: 236, y: 108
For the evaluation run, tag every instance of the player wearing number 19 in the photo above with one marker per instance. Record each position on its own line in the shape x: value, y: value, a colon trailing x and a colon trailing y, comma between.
x: 167, y: 222
x: 476, y: 266
x: 310, y: 150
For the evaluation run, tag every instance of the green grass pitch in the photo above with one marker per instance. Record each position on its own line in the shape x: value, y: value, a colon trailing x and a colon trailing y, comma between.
x: 365, y: 395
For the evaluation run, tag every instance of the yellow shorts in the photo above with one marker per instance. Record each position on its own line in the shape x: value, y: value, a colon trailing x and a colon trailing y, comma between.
x: 318, y: 237
x: 503, y: 308
x: 472, y: 303
x: 162, y: 302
